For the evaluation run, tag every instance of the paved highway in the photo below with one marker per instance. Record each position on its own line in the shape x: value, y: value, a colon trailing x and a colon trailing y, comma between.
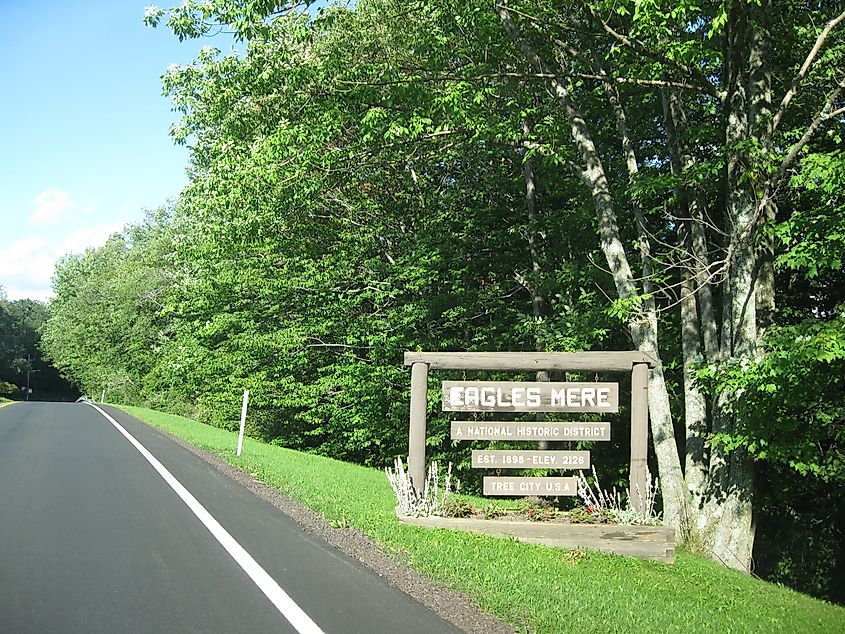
x: 93, y: 539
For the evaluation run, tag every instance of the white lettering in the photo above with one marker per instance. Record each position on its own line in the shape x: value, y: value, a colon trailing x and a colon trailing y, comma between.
x: 588, y: 396
x: 529, y: 486
x: 471, y: 396
x: 500, y: 401
x: 456, y: 396
x: 533, y: 396
x: 518, y: 396
x: 603, y: 397
x: 503, y: 486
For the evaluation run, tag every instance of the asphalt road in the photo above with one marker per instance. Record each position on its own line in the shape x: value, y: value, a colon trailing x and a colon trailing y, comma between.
x: 92, y: 539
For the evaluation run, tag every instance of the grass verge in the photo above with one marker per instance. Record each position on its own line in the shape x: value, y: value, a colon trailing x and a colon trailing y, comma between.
x: 533, y: 587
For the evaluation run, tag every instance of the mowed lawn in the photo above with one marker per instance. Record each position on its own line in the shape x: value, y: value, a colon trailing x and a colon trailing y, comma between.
x: 533, y: 587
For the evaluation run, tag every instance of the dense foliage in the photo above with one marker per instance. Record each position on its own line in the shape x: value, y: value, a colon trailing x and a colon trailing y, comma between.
x: 521, y: 175
x: 21, y: 365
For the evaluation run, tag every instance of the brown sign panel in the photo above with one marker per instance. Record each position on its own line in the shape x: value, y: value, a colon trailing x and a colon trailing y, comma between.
x: 530, y: 486
x: 514, y: 459
x: 496, y: 430
x: 508, y: 396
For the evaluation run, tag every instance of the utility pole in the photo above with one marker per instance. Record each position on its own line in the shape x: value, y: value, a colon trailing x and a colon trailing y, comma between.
x: 28, y: 372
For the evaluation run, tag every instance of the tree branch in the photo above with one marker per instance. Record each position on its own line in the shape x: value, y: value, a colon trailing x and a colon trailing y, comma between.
x: 702, y: 83
x: 805, y: 68
x: 825, y: 114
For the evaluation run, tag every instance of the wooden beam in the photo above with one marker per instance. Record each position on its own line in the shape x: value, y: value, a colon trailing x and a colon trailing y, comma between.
x: 532, y: 361
x: 416, y: 433
x: 638, y: 482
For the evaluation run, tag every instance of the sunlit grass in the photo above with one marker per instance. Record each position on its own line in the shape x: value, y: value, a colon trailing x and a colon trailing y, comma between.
x: 535, y: 588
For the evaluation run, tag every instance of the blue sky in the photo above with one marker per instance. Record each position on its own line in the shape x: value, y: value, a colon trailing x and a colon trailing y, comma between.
x: 84, y: 144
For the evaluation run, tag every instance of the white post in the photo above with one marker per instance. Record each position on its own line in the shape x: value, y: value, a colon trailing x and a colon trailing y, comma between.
x: 103, y: 397
x: 243, y: 422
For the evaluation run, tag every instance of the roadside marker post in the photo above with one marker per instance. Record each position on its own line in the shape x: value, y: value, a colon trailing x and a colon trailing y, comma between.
x: 243, y: 422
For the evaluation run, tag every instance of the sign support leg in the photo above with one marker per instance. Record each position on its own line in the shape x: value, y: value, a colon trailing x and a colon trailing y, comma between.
x: 639, y: 437
x: 416, y: 434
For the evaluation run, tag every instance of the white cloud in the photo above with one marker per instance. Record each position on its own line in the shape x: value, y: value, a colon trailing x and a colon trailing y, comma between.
x: 51, y: 206
x: 81, y: 239
x: 23, y: 256
x: 27, y: 265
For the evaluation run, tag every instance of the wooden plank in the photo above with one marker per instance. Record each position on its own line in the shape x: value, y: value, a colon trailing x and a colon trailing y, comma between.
x: 514, y: 396
x: 530, y: 486
x: 416, y: 433
x: 529, y: 430
x: 516, y: 459
x: 652, y: 542
x: 532, y: 361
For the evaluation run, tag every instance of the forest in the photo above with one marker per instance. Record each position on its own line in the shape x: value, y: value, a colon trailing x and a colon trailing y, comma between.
x: 504, y: 175
x: 22, y: 366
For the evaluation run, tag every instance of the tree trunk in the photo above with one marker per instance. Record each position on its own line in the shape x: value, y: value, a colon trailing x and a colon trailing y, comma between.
x: 694, y: 282
x: 726, y: 523
x: 538, y: 302
x: 642, y: 323
x: 760, y: 86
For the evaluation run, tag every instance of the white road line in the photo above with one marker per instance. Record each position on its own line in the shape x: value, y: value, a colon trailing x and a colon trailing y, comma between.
x: 278, y: 597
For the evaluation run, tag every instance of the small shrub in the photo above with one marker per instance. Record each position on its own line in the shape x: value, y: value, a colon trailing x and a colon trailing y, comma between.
x: 491, y: 512
x: 581, y: 515
x: 458, y: 508
x: 537, y: 509
x: 8, y: 389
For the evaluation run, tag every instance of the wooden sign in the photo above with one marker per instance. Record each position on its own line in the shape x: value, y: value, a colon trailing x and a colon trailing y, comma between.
x: 504, y: 396
x: 492, y: 396
x: 530, y: 486
x: 514, y: 459
x: 496, y: 430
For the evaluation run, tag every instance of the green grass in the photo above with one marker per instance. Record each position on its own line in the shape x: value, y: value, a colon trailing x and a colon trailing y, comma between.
x: 533, y: 587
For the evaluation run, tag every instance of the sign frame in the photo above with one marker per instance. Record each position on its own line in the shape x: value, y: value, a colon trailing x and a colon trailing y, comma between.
x: 638, y: 363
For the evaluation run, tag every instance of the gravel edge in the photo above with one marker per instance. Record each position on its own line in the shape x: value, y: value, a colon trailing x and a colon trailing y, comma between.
x: 456, y: 607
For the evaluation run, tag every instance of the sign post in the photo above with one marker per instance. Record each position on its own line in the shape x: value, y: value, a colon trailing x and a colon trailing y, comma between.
x: 639, y: 438
x: 243, y: 422
x: 416, y: 435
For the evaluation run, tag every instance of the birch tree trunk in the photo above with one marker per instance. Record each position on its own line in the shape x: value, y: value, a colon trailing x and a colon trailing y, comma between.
x: 697, y: 321
x: 642, y: 323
